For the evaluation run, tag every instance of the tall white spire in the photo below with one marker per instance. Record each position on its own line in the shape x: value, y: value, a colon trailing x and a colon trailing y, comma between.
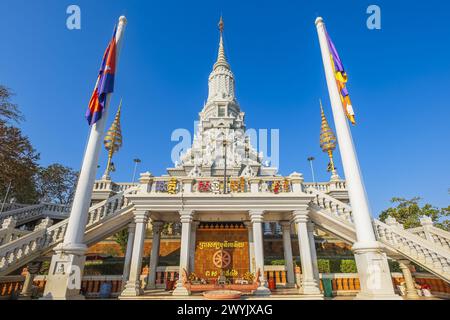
x: 221, y: 58
x: 221, y: 81
x: 221, y: 127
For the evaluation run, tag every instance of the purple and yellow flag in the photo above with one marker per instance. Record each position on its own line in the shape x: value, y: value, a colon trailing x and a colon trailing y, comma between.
x: 105, y: 83
x: 341, y: 80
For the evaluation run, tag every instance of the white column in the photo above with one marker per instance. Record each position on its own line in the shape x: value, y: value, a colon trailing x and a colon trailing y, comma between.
x: 251, y: 247
x: 192, y: 246
x: 128, y: 254
x: 154, y: 255
x: 411, y: 291
x: 372, y: 264
x: 257, y: 218
x: 69, y: 257
x: 133, y: 287
x: 312, y: 244
x: 186, y: 217
x: 287, y: 246
x: 309, y: 285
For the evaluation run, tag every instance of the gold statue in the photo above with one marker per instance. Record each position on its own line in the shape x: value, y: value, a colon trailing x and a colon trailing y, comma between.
x: 113, y: 142
x: 327, y: 141
x: 172, y: 186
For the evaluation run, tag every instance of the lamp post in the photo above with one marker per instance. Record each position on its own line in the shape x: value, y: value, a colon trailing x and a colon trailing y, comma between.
x: 136, y: 163
x: 311, y: 159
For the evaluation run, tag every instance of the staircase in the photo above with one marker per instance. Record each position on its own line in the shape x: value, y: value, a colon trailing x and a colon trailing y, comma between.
x: 25, y: 214
x: 427, y: 247
x: 104, y: 219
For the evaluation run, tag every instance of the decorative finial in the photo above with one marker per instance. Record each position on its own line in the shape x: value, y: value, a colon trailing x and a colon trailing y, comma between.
x: 113, y: 141
x: 221, y: 58
x: 327, y: 141
x: 221, y: 24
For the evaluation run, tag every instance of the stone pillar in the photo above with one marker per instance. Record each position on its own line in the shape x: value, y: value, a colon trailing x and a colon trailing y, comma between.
x: 312, y: 244
x: 257, y: 218
x: 309, y: 284
x: 186, y: 217
x: 9, y: 224
x: 128, y: 253
x: 154, y: 255
x: 411, y: 291
x: 287, y: 246
x: 145, y: 182
x: 27, y: 289
x: 296, y: 181
x: 251, y: 247
x: 133, y: 287
x: 254, y: 185
x: 192, y: 245
x: 187, y: 184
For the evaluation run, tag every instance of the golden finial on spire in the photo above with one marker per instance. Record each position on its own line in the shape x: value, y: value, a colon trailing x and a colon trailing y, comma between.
x: 113, y: 141
x: 221, y: 24
x: 221, y: 58
x: 327, y: 140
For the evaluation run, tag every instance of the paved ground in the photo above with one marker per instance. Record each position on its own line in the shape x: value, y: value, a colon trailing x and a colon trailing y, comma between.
x: 282, y: 294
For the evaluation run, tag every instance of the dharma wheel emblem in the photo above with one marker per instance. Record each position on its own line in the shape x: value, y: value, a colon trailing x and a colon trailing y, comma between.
x: 221, y: 259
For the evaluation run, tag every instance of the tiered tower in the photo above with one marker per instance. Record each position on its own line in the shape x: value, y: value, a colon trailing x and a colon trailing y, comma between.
x: 220, y: 145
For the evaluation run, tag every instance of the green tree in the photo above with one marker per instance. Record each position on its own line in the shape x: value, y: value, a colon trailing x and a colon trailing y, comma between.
x: 18, y: 159
x: 18, y: 165
x: 121, y: 238
x: 56, y: 183
x: 408, y: 213
x: 8, y: 111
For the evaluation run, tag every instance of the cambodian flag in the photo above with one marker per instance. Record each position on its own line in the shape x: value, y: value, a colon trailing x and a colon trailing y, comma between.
x: 105, y: 83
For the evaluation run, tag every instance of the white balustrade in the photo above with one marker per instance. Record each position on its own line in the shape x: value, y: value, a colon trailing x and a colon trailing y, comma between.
x: 332, y: 206
x: 410, y: 243
x: 34, y: 212
x: 436, y: 235
x: 18, y: 252
x: 432, y: 257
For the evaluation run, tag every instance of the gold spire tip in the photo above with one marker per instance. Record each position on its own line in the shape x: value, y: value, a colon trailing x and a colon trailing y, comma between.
x: 221, y: 24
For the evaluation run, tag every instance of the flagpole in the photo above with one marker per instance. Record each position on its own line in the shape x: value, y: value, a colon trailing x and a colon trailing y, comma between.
x: 83, y: 194
x: 368, y: 252
x: 68, y: 260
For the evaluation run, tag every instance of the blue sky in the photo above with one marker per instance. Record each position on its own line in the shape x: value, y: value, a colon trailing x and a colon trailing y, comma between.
x: 399, y: 81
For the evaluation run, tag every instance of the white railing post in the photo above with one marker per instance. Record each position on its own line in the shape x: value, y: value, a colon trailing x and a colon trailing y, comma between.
x: 427, y: 224
x: 296, y: 181
x: 146, y: 182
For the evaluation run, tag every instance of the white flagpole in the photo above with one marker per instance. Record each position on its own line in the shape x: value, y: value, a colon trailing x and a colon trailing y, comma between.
x: 83, y: 194
x: 67, y: 265
x: 371, y: 262
x: 356, y: 190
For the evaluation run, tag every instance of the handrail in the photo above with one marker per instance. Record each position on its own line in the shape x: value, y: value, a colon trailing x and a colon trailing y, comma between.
x: 418, y: 249
x: 42, y: 239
